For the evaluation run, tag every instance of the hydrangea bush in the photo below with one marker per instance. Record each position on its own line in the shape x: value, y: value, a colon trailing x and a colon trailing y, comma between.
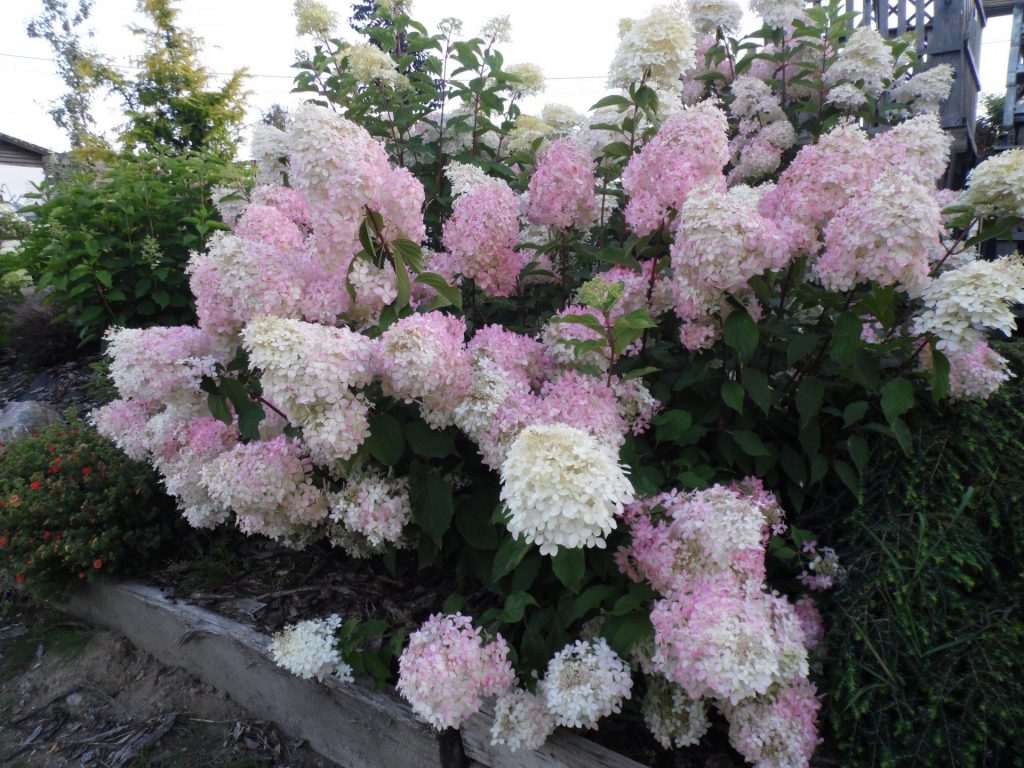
x: 592, y: 365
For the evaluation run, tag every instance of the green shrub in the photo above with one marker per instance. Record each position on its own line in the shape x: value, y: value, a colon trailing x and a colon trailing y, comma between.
x: 72, y: 506
x: 112, y: 245
x: 925, y: 664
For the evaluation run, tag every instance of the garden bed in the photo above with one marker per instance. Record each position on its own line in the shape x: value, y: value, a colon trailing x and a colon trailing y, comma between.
x: 352, y: 724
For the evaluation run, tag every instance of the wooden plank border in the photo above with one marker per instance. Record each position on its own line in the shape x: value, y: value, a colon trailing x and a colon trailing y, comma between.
x: 351, y: 724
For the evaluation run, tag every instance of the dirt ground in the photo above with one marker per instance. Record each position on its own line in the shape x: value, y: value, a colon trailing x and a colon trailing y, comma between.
x: 71, y: 695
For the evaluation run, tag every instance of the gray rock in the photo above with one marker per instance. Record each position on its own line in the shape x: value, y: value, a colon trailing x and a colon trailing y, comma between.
x: 23, y: 418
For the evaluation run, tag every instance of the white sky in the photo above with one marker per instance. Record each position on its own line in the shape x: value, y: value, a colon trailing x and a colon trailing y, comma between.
x: 571, y: 40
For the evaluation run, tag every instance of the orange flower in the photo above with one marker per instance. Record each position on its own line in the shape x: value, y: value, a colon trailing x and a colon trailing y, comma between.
x: 15, y: 501
x: 97, y: 564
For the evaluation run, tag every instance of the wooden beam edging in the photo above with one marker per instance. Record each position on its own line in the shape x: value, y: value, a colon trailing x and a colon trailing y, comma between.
x: 351, y: 724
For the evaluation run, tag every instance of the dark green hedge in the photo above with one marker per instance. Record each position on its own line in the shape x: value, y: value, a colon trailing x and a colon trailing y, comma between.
x: 926, y: 637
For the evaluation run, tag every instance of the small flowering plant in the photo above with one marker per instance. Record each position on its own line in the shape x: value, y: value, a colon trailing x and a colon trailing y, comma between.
x: 592, y: 369
x: 73, y: 507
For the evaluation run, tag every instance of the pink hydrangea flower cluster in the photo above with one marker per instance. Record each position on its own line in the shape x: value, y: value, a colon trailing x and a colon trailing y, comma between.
x: 422, y: 358
x: 562, y: 187
x: 203, y: 439
x: 292, y: 247
x: 374, y: 505
x: 822, y: 178
x: 886, y: 234
x: 677, y: 537
x: 449, y: 667
x: 341, y: 172
x: 518, y: 355
x: 721, y: 242
x: 641, y: 289
x: 268, y: 485
x: 155, y: 364
x: 690, y: 149
x: 124, y: 423
x: 976, y: 371
x: 727, y: 641
x: 777, y: 730
x: 482, y: 234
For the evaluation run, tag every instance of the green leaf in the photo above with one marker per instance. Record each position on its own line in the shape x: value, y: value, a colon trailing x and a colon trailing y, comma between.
x: 432, y: 505
x: 589, y: 320
x: 847, y: 475
x: 751, y: 443
x: 570, y: 567
x: 624, y: 632
x: 611, y: 101
x: 104, y: 277
x: 249, y: 419
x: 429, y: 443
x: 897, y: 398
x: 732, y: 395
x: 433, y: 280
x: 411, y: 253
x: 515, y: 607
x: 854, y: 412
x: 846, y: 338
x: 809, y: 397
x: 740, y: 332
x: 386, y: 442
x: 859, y: 452
x: 510, y: 554
x: 476, y: 528
x: 218, y: 405
x: 940, y: 375
x: 800, y: 346
x: 404, y: 290
x: 591, y: 598
x: 759, y: 388
x: 671, y: 425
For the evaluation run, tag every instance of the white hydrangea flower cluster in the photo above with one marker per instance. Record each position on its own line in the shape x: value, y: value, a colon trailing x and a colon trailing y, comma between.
x: 926, y: 90
x: 562, y: 488
x: 370, y: 65
x: 269, y: 152
x: 561, y: 117
x: 996, y: 186
x: 309, y: 371
x: 529, y: 78
x: 308, y: 650
x: 778, y: 13
x: 847, y: 97
x: 375, y: 287
x: 492, y: 385
x: 314, y: 18
x: 674, y: 719
x: 661, y: 43
x: 528, y: 128
x: 465, y: 177
x: 708, y: 16
x: 375, y: 506
x: 961, y: 303
x: 866, y: 60
x: 584, y: 682
x: 521, y: 720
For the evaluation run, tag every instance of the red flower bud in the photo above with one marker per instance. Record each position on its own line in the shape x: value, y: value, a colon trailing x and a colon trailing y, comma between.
x: 35, y: 485
x: 20, y: 578
x: 97, y: 564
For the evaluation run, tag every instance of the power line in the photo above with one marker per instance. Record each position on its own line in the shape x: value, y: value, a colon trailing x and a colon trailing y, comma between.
x: 278, y: 77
